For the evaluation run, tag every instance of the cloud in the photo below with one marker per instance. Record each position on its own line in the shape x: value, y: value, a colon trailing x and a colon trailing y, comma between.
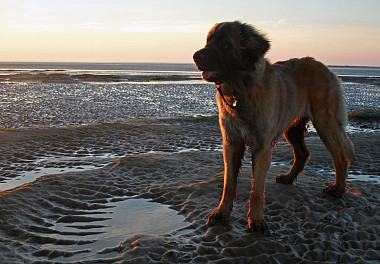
x: 33, y: 28
x: 135, y: 26
x: 144, y: 26
x: 282, y: 22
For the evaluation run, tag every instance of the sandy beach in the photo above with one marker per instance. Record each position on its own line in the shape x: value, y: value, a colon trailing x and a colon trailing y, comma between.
x: 59, y: 218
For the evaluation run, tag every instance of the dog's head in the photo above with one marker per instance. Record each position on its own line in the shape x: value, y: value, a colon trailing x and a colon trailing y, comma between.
x: 230, y: 47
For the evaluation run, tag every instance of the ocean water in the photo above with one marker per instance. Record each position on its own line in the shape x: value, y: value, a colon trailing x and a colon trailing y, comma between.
x: 57, y: 117
x: 62, y: 94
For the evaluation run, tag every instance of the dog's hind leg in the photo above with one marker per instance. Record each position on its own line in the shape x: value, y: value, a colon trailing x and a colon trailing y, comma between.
x: 295, y: 135
x: 333, y: 135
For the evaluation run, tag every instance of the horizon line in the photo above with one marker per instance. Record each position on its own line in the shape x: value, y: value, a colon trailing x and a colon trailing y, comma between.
x: 143, y: 62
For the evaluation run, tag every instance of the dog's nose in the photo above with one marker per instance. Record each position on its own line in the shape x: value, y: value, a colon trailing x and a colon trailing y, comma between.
x: 198, y: 56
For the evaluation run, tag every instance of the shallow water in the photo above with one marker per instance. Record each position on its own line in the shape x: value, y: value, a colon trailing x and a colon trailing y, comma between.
x: 31, y: 175
x: 30, y: 101
x: 52, y: 104
x: 119, y: 221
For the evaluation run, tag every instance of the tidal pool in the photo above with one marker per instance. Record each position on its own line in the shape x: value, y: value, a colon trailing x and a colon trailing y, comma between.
x: 98, y: 239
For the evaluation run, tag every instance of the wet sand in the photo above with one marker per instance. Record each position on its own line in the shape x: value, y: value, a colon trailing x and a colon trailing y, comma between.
x: 57, y: 217
x: 31, y: 152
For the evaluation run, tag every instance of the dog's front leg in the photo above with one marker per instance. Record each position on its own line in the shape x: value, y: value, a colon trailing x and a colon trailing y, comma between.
x: 232, y: 155
x: 260, y: 166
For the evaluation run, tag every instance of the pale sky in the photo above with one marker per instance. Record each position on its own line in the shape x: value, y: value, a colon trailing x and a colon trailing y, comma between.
x: 337, y: 32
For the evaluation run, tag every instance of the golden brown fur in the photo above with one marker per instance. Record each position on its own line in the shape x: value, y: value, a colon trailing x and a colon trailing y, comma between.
x: 259, y: 101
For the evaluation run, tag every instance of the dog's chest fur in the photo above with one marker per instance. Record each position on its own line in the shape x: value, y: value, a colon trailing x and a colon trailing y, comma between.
x: 242, y: 122
x: 247, y: 121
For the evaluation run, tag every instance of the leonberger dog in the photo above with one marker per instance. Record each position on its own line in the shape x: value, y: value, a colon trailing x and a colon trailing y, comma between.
x: 258, y: 101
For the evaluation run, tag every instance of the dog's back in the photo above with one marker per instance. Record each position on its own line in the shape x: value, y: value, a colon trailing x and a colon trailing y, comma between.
x: 327, y: 106
x: 324, y: 89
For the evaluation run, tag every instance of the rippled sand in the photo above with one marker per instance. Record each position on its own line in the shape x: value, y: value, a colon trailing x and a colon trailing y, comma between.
x: 83, y: 216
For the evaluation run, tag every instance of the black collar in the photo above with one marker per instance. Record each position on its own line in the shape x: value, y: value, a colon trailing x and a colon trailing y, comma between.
x: 233, y: 105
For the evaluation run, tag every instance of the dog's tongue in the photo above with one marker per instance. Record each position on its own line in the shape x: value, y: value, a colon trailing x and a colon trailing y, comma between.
x: 208, y: 75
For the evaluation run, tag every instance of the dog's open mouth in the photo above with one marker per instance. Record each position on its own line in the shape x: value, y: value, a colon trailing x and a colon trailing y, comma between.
x: 211, y: 76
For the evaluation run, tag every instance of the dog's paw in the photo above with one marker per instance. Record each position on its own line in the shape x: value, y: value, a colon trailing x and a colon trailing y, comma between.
x: 217, y: 218
x: 333, y: 191
x: 262, y: 228
x: 284, y: 179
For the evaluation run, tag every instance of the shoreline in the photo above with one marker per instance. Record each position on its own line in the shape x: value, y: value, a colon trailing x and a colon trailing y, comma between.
x: 54, y: 76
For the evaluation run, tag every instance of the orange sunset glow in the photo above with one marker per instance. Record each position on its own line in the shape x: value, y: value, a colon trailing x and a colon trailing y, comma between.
x: 335, y: 32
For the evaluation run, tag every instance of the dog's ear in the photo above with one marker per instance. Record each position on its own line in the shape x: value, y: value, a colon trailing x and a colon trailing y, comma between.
x: 253, y: 44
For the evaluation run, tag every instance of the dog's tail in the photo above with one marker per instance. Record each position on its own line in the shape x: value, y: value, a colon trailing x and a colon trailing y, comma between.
x: 342, y: 116
x: 342, y: 106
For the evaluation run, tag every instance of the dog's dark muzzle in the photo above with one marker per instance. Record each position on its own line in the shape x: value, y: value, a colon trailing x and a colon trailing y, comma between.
x: 198, y: 57
x: 207, y: 60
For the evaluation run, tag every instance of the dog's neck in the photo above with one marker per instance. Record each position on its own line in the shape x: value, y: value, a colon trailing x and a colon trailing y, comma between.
x: 260, y: 68
x: 239, y: 87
